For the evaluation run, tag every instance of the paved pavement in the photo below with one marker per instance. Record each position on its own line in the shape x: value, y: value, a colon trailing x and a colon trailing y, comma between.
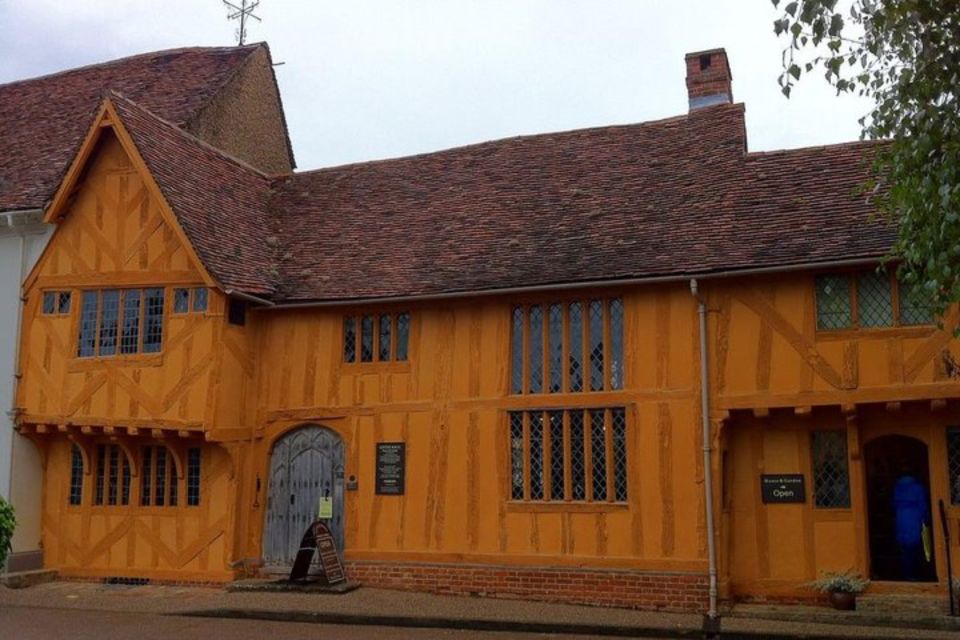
x: 21, y: 623
x: 379, y: 607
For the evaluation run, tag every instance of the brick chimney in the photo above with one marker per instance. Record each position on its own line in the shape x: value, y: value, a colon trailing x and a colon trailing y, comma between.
x: 708, y: 78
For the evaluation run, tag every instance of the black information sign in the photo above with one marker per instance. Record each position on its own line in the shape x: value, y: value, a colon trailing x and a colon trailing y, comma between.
x: 782, y: 488
x: 391, y: 461
x: 318, y: 538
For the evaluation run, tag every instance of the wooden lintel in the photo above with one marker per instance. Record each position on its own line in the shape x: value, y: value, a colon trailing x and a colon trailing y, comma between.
x: 761, y: 412
x: 156, y: 433
x: 893, y: 406
x: 803, y: 411
x: 938, y: 404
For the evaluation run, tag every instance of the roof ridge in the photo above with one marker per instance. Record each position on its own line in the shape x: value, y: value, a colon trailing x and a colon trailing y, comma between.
x: 189, y: 136
x: 127, y: 59
x: 523, y: 136
x: 816, y: 147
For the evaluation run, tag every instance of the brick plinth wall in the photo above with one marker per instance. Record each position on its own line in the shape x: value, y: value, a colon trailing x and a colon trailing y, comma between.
x: 630, y: 589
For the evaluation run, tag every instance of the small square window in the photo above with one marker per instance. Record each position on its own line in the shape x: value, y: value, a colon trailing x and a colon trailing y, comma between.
x: 181, y: 300
x: 200, y: 299
x: 63, y: 302
x: 56, y: 303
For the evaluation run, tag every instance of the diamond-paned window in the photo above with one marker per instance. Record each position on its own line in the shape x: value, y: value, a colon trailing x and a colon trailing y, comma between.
x: 915, y: 308
x: 376, y: 338
x: 555, y: 346
x: 618, y: 419
x: 536, y: 349
x: 833, y: 302
x: 578, y: 442
x: 542, y: 334
x: 181, y: 300
x: 516, y: 455
x: 536, y: 455
x: 578, y: 464
x: 556, y: 455
x: 56, y: 303
x: 831, y: 477
x: 953, y: 463
x: 874, y: 299
x: 575, y: 383
x: 596, y: 345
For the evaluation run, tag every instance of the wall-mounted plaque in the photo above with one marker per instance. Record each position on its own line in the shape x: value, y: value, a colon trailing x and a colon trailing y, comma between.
x: 391, y: 463
x: 782, y: 488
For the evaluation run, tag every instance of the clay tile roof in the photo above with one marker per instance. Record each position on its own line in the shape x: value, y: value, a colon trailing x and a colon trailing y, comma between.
x: 667, y: 198
x: 43, y: 120
x: 221, y: 202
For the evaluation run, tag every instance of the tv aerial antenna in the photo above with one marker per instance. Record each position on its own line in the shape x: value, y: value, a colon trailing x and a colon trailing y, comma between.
x: 242, y: 10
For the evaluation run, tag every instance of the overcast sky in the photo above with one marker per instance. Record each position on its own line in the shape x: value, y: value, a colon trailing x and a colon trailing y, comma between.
x: 366, y: 79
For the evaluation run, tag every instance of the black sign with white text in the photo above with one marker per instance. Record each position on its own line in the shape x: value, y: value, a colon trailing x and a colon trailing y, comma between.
x: 782, y: 488
x: 391, y: 461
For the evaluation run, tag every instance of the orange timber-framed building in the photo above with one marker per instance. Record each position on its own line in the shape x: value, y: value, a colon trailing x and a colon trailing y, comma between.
x: 213, y: 353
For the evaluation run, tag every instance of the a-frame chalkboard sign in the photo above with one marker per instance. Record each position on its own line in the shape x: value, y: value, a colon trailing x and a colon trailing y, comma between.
x: 318, y: 538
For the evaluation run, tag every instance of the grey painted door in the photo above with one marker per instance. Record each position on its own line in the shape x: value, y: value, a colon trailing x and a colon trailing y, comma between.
x: 306, y: 464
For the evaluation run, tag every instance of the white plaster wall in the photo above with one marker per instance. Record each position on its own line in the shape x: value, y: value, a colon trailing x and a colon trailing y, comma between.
x: 20, y: 467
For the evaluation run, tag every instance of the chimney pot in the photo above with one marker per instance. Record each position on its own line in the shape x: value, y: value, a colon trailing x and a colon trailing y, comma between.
x: 708, y: 79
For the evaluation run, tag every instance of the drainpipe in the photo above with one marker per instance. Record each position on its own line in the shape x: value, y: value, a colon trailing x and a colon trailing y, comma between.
x: 11, y: 413
x: 707, y: 448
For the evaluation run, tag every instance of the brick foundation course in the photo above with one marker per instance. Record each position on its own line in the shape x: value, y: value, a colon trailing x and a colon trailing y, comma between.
x: 677, y: 592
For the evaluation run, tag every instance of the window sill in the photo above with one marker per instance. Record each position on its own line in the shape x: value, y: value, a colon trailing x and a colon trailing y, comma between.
x: 566, y: 507
x: 376, y: 367
x: 914, y: 331
x: 95, y: 363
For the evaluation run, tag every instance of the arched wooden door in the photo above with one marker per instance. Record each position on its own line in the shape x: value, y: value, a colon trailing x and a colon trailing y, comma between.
x: 305, y: 465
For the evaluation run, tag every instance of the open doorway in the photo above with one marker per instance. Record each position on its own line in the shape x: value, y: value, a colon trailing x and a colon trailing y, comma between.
x: 898, y: 503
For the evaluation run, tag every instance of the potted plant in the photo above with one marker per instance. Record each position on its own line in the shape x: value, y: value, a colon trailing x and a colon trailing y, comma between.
x: 841, y: 588
x: 7, y: 523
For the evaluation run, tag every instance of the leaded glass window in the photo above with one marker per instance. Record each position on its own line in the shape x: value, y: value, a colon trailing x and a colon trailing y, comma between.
x: 874, y: 299
x: 159, y: 485
x: 130, y: 336
x: 152, y: 320
x: 193, y: 300
x: 555, y: 346
x: 831, y: 478
x: 201, y: 299
x: 557, y: 455
x: 516, y: 456
x: 376, y: 338
x: 193, y: 476
x: 915, y: 308
x: 535, y: 377
x: 536, y: 455
x: 88, y: 324
x: 557, y: 465
x: 181, y: 300
x: 76, y: 476
x: 56, y: 303
x: 366, y: 339
x: 111, y: 321
x: 833, y: 302
x: 953, y: 463
x: 109, y: 317
x: 542, y: 334
x: 112, y: 478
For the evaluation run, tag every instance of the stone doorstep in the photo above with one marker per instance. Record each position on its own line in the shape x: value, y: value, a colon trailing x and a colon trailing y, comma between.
x: 285, y: 586
x: 24, y: 579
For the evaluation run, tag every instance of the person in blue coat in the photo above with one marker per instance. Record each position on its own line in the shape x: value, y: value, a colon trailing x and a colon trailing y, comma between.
x: 912, y: 508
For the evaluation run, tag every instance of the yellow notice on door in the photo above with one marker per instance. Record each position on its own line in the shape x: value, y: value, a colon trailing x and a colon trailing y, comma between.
x: 326, y: 508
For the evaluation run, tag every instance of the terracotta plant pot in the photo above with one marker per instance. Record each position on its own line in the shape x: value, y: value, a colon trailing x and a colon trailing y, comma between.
x: 843, y: 601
